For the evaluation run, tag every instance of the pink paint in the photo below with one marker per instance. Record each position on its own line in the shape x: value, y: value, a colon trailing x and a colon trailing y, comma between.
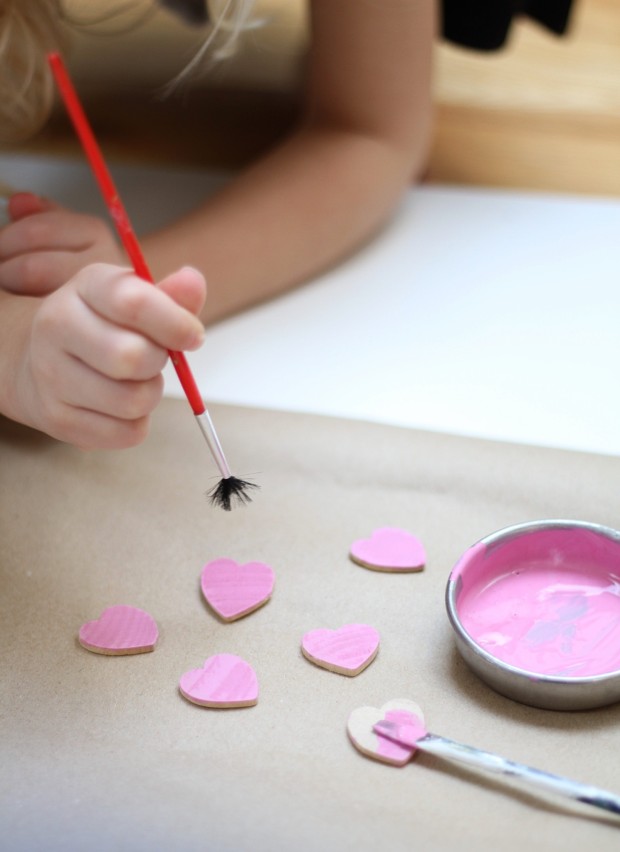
x: 348, y: 650
x: 234, y: 590
x: 547, y: 602
x: 224, y: 680
x: 389, y: 549
x: 120, y: 630
x: 361, y: 727
x: 406, y: 725
x: 403, y: 728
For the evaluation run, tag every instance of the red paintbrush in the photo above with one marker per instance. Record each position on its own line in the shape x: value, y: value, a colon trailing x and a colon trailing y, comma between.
x: 230, y: 487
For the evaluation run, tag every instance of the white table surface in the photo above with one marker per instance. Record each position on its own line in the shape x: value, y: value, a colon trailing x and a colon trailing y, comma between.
x: 476, y: 312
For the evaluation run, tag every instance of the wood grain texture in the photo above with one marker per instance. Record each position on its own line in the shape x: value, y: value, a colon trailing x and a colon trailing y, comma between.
x: 542, y: 114
x: 225, y: 681
x: 119, y: 631
x: 389, y: 549
x: 348, y: 650
x: 234, y: 590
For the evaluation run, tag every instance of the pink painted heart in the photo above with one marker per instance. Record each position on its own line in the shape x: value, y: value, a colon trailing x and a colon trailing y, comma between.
x: 366, y: 739
x: 235, y: 590
x: 389, y: 549
x: 119, y: 630
x: 348, y: 650
x: 224, y: 681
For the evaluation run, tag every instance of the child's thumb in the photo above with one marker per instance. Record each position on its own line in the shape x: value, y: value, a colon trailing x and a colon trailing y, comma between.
x: 187, y: 287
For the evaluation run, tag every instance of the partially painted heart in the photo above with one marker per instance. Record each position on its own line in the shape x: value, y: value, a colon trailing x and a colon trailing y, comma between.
x: 119, y: 630
x: 233, y: 590
x: 348, y: 650
x: 224, y: 681
x: 389, y: 549
x: 397, y: 712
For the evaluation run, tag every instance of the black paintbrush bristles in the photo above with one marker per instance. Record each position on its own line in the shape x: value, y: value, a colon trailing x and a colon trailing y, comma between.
x: 230, y: 490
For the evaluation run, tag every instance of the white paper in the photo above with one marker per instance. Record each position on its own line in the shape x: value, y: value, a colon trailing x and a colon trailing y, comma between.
x: 477, y: 312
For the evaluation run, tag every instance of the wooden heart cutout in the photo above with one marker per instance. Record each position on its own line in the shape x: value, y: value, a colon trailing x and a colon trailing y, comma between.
x: 119, y: 630
x: 233, y: 590
x: 360, y: 725
x: 389, y: 549
x: 348, y: 650
x: 224, y: 681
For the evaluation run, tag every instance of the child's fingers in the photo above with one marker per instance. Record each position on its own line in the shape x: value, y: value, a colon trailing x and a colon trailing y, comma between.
x: 79, y: 386
x: 90, y: 430
x: 51, y: 230
x: 136, y: 305
x: 38, y: 273
x: 109, y: 349
x: 97, y: 347
x: 187, y: 288
x: 22, y: 204
x: 98, y: 432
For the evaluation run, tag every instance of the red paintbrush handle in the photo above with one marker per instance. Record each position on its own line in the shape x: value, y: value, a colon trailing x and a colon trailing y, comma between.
x: 117, y: 210
x: 188, y: 382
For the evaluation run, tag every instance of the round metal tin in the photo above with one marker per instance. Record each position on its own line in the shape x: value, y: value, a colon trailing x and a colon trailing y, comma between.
x: 535, y: 610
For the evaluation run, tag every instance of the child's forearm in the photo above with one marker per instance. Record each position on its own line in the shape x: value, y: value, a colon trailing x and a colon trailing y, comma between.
x: 298, y: 211
x: 326, y: 189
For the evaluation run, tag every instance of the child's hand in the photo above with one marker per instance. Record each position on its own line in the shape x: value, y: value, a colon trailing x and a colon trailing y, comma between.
x: 45, y: 244
x: 91, y: 372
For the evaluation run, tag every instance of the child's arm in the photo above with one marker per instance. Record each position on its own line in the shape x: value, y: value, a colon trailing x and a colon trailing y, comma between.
x: 315, y: 198
x: 84, y: 363
x: 334, y: 182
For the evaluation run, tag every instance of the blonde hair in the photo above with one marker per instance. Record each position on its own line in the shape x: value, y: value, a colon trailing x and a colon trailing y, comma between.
x: 27, y: 32
x: 29, y: 29
x: 229, y: 19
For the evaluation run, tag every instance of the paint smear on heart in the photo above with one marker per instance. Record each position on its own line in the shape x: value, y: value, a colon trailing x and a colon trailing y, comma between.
x: 402, y: 728
x: 397, y: 712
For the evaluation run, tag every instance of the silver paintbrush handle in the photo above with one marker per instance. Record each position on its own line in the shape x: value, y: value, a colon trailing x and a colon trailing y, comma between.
x: 443, y: 747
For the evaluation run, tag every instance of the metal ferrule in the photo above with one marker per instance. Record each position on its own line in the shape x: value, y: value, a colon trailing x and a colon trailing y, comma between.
x: 208, y: 430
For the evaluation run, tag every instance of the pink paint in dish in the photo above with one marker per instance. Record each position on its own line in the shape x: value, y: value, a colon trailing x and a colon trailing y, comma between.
x: 546, y: 602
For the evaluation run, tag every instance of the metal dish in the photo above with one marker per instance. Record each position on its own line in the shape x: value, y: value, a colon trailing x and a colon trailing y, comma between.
x: 535, y: 610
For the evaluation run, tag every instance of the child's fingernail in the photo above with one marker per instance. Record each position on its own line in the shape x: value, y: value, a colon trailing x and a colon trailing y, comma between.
x: 188, y: 268
x: 198, y: 338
